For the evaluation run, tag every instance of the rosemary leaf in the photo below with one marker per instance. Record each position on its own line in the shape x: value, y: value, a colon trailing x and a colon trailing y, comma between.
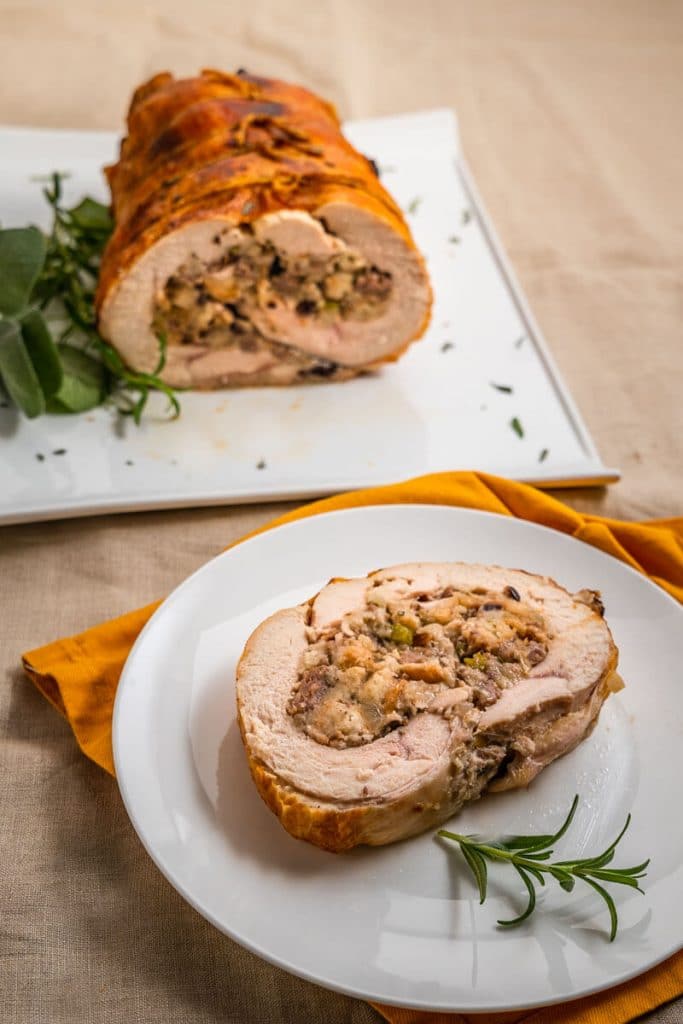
x: 531, y: 905
x: 479, y: 870
x: 614, y: 920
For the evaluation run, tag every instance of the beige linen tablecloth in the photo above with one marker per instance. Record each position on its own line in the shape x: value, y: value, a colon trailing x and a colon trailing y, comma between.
x: 570, y: 116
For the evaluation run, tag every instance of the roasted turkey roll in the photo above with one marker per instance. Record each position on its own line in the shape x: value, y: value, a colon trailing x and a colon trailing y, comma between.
x: 381, y: 706
x: 253, y: 238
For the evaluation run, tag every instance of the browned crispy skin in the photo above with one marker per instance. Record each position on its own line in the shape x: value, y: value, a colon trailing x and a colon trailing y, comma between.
x: 229, y: 145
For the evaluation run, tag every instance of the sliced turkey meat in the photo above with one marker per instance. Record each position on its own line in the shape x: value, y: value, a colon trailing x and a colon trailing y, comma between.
x: 381, y: 706
x: 253, y: 239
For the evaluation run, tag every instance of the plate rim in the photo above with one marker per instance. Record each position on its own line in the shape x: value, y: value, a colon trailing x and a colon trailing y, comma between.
x: 253, y: 947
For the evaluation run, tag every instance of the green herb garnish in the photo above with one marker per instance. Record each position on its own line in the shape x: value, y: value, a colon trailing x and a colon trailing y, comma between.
x: 517, y: 426
x: 543, y: 454
x: 505, y: 388
x: 414, y: 204
x: 530, y: 857
x: 51, y: 356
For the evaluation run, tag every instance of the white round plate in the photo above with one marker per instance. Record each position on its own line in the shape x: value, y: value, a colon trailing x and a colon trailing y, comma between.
x: 402, y: 924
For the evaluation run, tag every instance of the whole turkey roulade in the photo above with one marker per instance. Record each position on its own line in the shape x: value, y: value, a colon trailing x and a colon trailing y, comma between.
x: 254, y: 239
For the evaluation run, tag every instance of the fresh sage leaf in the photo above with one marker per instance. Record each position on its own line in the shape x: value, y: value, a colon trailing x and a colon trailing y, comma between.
x: 22, y: 255
x: 17, y: 372
x: 84, y: 383
x: 42, y: 352
x: 92, y: 216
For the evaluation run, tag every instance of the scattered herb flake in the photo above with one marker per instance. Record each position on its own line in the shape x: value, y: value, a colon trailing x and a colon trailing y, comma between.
x: 129, y: 462
x: 505, y: 388
x: 517, y: 426
x: 454, y: 240
x: 40, y: 457
x: 543, y: 454
x: 59, y: 451
x: 447, y: 346
x: 248, y: 207
x: 414, y: 204
x: 520, y: 341
x: 387, y: 169
x: 466, y: 216
x: 261, y: 464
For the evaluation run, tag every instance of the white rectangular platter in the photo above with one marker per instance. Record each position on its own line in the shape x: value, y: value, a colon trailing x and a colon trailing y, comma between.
x: 436, y: 409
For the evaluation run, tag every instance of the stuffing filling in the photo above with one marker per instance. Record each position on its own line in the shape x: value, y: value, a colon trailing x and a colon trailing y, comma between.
x: 213, y: 304
x: 448, y: 652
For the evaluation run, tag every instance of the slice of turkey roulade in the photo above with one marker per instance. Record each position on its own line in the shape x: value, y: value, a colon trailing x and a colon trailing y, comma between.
x: 254, y: 239
x: 377, y: 709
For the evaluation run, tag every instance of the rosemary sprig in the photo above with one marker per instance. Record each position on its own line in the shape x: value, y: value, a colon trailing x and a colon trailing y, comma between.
x: 74, y: 247
x: 530, y: 857
x: 69, y: 280
x: 142, y: 383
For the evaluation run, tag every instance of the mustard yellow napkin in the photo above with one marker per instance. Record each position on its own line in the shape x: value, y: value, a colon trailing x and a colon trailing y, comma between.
x: 79, y: 676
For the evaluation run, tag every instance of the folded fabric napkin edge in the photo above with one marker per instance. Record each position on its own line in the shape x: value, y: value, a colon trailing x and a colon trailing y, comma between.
x: 79, y: 676
x: 616, y: 1005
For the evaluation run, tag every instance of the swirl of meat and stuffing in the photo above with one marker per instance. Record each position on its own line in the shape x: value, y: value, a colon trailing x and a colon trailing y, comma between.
x: 254, y: 239
x: 381, y: 706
